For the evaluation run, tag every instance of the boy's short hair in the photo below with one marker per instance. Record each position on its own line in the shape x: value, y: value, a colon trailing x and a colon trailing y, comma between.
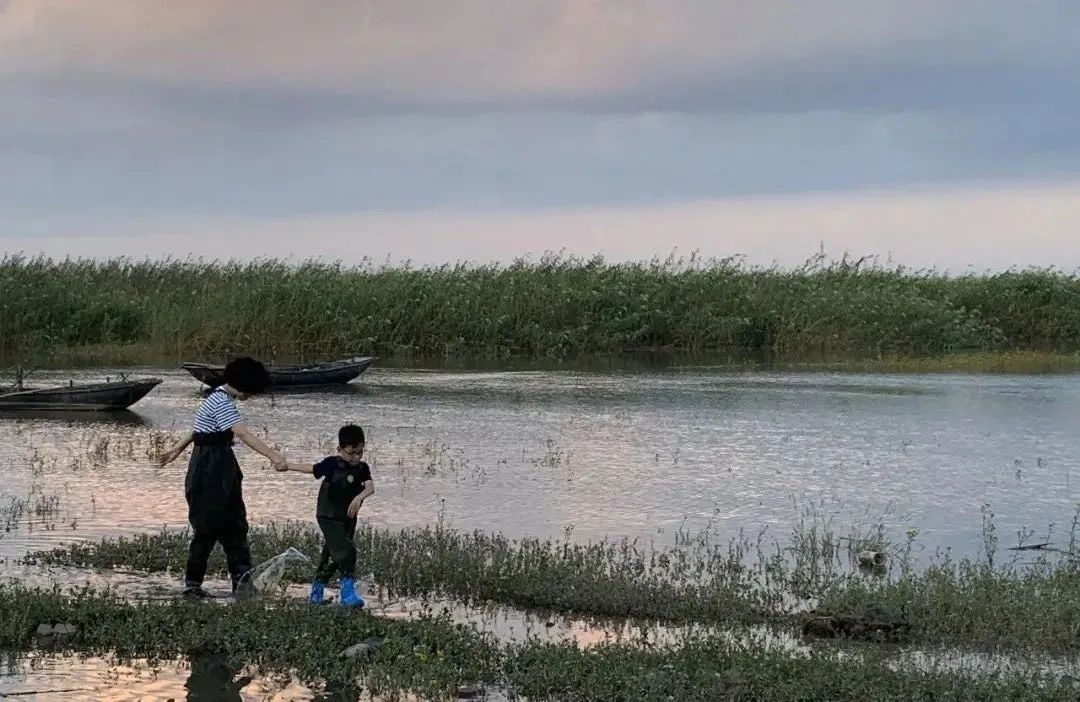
x: 350, y: 435
x: 247, y: 375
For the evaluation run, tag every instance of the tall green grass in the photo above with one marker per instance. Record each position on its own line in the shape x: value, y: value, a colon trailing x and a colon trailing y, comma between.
x: 554, y: 307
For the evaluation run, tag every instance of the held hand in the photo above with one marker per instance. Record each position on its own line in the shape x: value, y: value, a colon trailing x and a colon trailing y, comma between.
x: 280, y: 463
x: 167, y: 457
x: 354, y: 507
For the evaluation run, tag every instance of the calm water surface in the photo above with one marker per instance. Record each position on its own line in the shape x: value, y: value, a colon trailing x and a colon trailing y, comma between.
x: 609, y: 454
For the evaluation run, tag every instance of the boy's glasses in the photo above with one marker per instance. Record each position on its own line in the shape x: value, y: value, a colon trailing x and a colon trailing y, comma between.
x: 353, y: 451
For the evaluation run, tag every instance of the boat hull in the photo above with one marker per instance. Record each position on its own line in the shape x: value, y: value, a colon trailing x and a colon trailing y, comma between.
x: 99, y: 397
x: 332, y: 373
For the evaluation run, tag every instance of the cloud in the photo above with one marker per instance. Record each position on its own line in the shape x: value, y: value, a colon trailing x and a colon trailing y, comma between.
x: 958, y: 229
x: 614, y: 54
x: 275, y: 108
x: 512, y: 160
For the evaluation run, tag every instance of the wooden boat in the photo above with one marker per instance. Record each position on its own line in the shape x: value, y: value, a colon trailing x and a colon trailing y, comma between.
x: 330, y: 373
x: 116, y: 395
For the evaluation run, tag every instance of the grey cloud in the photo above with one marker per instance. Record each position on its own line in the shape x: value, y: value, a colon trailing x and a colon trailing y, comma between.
x: 288, y: 62
x: 573, y: 54
x: 515, y: 160
x: 280, y: 108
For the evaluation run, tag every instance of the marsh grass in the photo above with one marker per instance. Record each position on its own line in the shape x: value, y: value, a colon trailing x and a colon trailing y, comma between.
x: 1028, y: 607
x: 1011, y: 361
x: 605, y: 578
x: 713, y: 669
x: 432, y: 657
x: 554, y: 307
x: 428, y: 656
x: 34, y: 510
x: 968, y: 602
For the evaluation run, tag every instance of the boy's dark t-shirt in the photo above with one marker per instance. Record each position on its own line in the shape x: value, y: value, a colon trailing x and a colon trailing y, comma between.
x: 341, y: 482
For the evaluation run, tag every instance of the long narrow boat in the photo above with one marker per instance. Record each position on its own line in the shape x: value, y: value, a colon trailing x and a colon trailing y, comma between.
x: 116, y: 395
x: 330, y: 373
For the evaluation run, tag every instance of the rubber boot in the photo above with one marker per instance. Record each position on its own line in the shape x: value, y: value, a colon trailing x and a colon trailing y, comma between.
x: 195, y: 592
x: 349, y: 598
x: 316, y: 596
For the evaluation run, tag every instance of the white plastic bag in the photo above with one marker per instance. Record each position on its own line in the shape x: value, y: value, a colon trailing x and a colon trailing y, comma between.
x: 269, y: 573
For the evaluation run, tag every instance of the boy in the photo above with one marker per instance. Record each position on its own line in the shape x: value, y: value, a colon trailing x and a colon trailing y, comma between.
x: 346, y: 483
x: 212, y: 487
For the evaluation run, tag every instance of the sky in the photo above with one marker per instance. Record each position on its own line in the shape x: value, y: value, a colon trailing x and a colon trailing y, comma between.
x: 932, y: 134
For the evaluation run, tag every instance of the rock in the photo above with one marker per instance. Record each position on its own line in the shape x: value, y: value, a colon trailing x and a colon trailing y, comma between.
x: 57, y: 629
x: 356, y: 651
x: 470, y: 692
x: 364, y: 649
x: 875, y: 623
x: 820, y: 627
x: 871, y: 559
x: 50, y: 633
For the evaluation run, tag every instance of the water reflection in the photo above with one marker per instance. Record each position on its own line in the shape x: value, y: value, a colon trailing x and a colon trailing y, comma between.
x: 214, y: 679
x: 62, y: 677
x: 65, y: 677
x: 117, y: 417
x: 338, y: 391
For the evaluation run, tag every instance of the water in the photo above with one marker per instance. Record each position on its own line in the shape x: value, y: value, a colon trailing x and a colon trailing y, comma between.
x: 602, y: 454
x: 208, y: 679
x: 637, y: 454
x: 49, y: 679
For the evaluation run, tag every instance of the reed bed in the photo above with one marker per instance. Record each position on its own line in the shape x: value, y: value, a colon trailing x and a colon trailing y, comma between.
x: 554, y: 307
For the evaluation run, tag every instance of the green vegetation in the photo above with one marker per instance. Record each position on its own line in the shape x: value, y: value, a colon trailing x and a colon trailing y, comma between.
x: 606, y: 579
x: 712, y: 669
x: 557, y: 307
x: 432, y: 657
x: 975, y: 362
x: 965, y: 603
x: 429, y: 656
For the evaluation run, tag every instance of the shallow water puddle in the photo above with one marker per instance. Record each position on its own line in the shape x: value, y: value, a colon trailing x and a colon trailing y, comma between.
x: 63, y: 678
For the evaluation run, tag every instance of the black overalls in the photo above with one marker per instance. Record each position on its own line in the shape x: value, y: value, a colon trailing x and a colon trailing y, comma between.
x: 216, y: 507
x: 338, y: 489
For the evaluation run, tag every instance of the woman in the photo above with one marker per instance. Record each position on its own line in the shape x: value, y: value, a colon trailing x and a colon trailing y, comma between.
x: 215, y: 500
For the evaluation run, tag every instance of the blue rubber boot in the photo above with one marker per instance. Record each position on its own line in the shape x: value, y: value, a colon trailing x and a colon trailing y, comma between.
x: 349, y: 598
x: 316, y: 595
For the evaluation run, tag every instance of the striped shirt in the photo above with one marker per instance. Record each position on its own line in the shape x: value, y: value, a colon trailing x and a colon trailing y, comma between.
x: 216, y: 413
